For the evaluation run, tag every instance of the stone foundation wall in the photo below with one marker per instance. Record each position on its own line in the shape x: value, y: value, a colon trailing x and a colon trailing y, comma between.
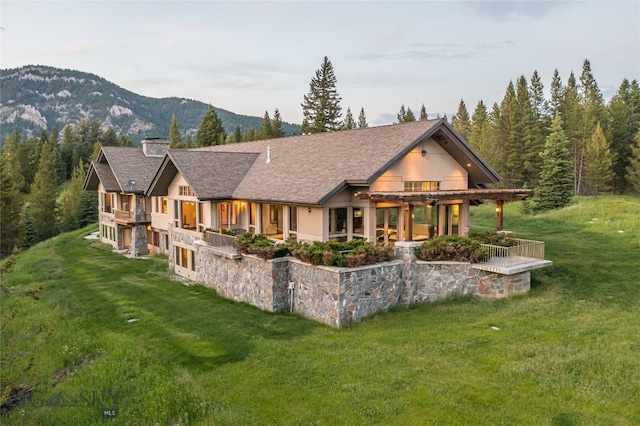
x: 341, y: 296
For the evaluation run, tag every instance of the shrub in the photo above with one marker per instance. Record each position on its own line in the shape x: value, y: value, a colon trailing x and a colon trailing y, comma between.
x: 260, y: 245
x: 357, y: 252
x: 493, y: 237
x: 451, y: 248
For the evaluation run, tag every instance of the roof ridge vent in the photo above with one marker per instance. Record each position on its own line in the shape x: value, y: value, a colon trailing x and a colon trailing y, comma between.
x: 268, y: 154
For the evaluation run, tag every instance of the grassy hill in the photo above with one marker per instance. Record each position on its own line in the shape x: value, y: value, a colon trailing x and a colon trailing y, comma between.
x: 83, y: 329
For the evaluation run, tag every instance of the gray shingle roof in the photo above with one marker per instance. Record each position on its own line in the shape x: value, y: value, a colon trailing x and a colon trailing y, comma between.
x: 308, y: 169
x: 116, y: 166
x: 211, y: 175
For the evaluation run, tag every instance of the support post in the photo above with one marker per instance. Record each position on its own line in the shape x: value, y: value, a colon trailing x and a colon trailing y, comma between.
x: 499, y: 210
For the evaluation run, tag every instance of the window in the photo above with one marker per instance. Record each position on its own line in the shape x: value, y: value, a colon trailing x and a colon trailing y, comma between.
x: 185, y: 258
x: 188, y: 214
x: 253, y: 220
x: 161, y: 205
x: 358, y: 221
x: 421, y: 185
x: 201, y: 217
x: 185, y: 191
x: 337, y: 221
x: 107, y: 203
x: 272, y: 220
x: 293, y: 218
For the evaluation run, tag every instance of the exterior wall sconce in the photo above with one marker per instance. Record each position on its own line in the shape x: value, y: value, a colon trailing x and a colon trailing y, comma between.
x: 308, y: 209
x: 424, y: 152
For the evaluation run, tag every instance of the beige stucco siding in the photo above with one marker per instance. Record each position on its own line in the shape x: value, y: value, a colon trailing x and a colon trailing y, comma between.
x: 310, y: 224
x: 436, y: 165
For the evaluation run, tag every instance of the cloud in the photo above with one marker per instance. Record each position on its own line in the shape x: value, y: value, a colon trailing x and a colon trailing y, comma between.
x: 513, y: 10
x: 72, y: 48
x: 433, y: 50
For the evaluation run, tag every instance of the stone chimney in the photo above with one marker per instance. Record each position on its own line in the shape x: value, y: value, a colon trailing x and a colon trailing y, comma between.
x: 155, y: 147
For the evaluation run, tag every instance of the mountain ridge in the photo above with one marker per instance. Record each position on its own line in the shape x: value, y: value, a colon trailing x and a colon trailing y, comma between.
x: 38, y: 97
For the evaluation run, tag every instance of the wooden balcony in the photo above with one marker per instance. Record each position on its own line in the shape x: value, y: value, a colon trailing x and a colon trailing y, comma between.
x: 126, y: 217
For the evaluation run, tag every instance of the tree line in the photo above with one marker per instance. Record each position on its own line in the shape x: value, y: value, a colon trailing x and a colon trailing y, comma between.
x: 570, y: 144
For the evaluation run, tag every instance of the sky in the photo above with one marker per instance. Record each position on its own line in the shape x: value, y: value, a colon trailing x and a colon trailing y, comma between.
x: 252, y: 57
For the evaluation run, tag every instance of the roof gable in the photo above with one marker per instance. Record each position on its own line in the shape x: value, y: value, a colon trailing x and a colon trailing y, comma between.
x: 211, y: 175
x: 309, y: 169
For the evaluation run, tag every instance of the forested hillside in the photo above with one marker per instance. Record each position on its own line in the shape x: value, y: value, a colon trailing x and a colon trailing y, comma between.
x: 36, y: 98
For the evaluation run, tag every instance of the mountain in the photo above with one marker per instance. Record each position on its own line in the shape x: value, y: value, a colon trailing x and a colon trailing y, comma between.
x: 39, y: 97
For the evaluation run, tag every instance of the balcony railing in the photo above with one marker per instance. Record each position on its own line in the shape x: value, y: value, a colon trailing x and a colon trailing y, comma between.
x: 220, y: 241
x: 131, y: 217
x: 525, y: 251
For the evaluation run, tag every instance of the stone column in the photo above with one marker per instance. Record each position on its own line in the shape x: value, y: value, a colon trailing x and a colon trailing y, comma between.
x: 405, y: 250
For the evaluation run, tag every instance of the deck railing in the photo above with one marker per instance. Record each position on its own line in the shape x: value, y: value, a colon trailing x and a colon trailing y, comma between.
x: 215, y: 239
x: 131, y: 217
x: 524, y: 251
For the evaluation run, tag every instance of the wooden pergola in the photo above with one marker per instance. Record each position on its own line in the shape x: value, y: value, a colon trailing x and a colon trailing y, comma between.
x: 432, y: 197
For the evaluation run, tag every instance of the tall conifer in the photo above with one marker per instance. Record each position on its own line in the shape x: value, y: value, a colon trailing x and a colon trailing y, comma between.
x: 555, y: 187
x: 321, y: 106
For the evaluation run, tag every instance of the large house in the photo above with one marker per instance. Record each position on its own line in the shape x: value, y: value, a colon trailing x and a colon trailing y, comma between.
x: 396, y: 183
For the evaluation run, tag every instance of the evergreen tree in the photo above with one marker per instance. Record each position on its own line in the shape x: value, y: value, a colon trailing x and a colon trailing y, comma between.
x: 423, y: 113
x: 87, y: 208
x: 405, y: 115
x: 125, y: 141
x: 265, y: 128
x: 624, y: 120
x: 510, y: 135
x: 479, y: 134
x: 109, y: 138
x: 26, y: 222
x: 175, y: 137
x: 210, y: 130
x: 633, y: 169
x: 276, y: 125
x: 362, y: 120
x: 11, y: 201
x: 321, y: 106
x: 460, y: 121
x: 44, y: 193
x: 555, y: 186
x: 349, y: 123
x: 557, y: 94
x: 571, y: 112
x: 598, y: 163
x: 237, y: 135
x: 528, y: 134
x: 250, y: 135
x: 592, y: 108
x: 68, y: 202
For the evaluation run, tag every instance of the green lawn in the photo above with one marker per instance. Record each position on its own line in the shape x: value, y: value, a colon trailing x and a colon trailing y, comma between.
x: 84, y: 327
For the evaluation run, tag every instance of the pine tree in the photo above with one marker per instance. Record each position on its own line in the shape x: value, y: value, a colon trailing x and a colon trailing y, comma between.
x: 175, y: 137
x: 571, y: 112
x: 265, y: 128
x: 87, y: 208
x: 479, y: 132
x: 555, y: 187
x: 592, y: 108
x: 528, y: 134
x: 11, y: 201
x: 26, y: 222
x: 633, y: 169
x: 362, y: 120
x: 460, y: 121
x: 348, y: 123
x: 321, y: 106
x: 210, y: 130
x: 109, y: 138
x: 598, y: 163
x: 624, y: 121
x: 44, y: 193
x: 68, y: 202
x: 276, y: 125
x: 405, y: 115
x: 511, y: 140
x: 125, y: 141
x: 237, y: 135
x: 423, y: 113
x: 557, y: 94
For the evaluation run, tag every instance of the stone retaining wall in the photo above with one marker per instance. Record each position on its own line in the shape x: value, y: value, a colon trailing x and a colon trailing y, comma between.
x: 341, y: 296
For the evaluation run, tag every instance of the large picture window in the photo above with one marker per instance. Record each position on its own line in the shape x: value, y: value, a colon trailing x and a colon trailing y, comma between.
x: 188, y: 215
x: 338, y: 223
